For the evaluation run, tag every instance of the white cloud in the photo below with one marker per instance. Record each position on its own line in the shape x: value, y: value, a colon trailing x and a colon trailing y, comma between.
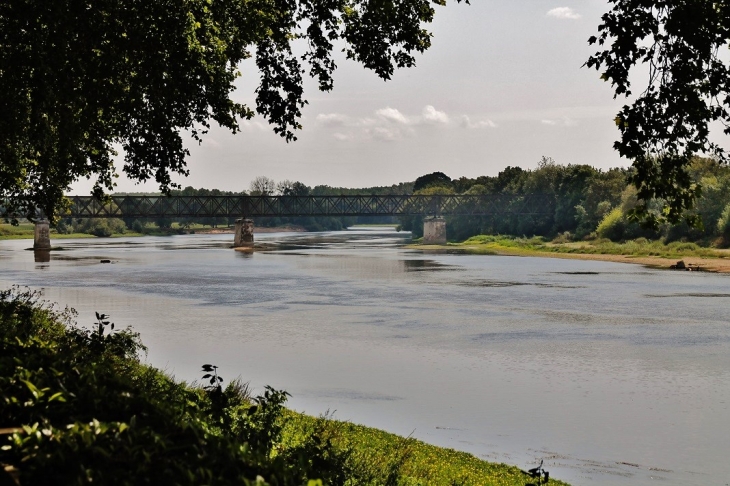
x: 331, y: 119
x: 432, y: 115
x: 382, y: 133
x: 390, y: 124
x: 391, y: 114
x: 368, y: 122
x: 466, y: 122
x: 564, y: 13
x: 563, y: 122
x: 343, y: 137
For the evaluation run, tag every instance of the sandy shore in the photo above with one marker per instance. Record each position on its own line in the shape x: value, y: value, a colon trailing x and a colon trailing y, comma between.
x: 719, y: 265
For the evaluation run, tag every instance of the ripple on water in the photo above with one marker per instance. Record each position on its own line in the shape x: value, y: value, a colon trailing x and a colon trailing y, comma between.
x: 686, y: 294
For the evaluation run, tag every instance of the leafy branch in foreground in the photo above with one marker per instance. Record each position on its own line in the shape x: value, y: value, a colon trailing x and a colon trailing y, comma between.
x: 79, y: 80
x: 688, y: 90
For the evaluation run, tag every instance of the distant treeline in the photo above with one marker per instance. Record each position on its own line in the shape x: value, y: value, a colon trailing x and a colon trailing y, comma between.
x: 588, y: 203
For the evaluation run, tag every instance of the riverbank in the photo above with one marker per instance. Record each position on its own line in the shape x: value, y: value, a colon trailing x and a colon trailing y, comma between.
x: 110, y: 418
x: 257, y: 230
x: 26, y: 231
x: 642, y: 252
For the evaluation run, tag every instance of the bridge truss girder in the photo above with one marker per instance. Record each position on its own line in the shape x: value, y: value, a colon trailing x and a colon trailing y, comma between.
x: 280, y: 206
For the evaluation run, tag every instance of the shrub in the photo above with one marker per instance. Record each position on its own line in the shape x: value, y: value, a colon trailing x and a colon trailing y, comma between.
x: 612, y: 225
x: 565, y: 237
x: 99, y: 226
x: 87, y: 410
x: 723, y: 224
x: 681, y: 246
x: 137, y: 226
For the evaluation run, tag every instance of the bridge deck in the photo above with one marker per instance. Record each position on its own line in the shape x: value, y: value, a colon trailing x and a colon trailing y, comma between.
x: 257, y: 206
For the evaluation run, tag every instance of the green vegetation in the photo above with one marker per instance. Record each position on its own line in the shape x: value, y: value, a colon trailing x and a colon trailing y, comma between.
x: 684, y: 103
x: 27, y: 231
x: 411, y: 461
x: 78, y: 406
x: 587, y: 203
x: 601, y: 246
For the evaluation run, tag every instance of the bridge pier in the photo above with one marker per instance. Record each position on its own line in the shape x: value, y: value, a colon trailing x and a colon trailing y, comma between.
x: 434, y: 230
x: 243, y: 238
x: 42, y: 237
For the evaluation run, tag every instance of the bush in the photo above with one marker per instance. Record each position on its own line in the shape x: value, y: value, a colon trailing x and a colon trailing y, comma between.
x: 723, y: 224
x: 612, y: 225
x: 100, y: 226
x: 137, y: 226
x: 87, y: 410
x: 681, y: 246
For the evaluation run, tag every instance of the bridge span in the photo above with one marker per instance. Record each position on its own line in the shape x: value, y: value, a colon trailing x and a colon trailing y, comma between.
x: 433, y: 207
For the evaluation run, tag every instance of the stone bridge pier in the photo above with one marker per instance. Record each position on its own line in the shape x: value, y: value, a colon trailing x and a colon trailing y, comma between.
x: 243, y: 237
x: 42, y: 237
x: 434, y: 230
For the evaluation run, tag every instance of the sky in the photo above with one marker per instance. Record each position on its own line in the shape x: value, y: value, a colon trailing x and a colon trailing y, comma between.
x: 502, y: 85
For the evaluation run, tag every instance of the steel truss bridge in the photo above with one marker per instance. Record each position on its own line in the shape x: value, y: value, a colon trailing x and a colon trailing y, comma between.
x: 279, y: 206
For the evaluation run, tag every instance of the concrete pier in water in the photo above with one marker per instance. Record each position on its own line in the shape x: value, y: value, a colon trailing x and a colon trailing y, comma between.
x: 42, y: 237
x: 434, y: 231
x: 243, y: 237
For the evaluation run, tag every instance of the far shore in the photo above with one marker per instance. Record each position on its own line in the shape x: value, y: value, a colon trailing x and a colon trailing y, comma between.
x: 717, y: 265
x: 28, y: 234
x: 257, y: 229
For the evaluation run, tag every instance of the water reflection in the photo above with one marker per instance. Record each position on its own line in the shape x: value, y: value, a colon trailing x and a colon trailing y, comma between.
x: 42, y: 256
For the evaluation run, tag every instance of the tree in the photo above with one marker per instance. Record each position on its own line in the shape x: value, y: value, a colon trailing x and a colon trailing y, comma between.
x: 681, y: 43
x: 434, y: 179
x: 262, y: 186
x: 78, y: 79
x: 289, y: 188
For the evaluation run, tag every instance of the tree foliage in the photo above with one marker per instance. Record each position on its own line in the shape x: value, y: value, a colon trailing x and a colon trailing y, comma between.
x: 434, y: 179
x: 262, y: 186
x: 587, y: 202
x: 80, y: 80
x: 684, y: 46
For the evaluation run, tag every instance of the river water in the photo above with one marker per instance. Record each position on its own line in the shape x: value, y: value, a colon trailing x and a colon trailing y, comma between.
x: 614, y: 374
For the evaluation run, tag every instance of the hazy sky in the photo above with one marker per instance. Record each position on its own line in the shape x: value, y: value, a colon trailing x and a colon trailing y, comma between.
x: 501, y: 85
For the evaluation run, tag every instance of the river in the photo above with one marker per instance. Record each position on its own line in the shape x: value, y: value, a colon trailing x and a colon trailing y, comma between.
x: 614, y: 374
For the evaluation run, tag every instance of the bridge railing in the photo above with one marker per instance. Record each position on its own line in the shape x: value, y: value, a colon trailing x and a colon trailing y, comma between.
x: 358, y: 205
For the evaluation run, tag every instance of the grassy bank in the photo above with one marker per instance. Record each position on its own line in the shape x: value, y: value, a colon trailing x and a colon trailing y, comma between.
x: 641, y: 250
x: 78, y: 406
x: 413, y: 462
x: 638, y: 247
x: 26, y: 231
